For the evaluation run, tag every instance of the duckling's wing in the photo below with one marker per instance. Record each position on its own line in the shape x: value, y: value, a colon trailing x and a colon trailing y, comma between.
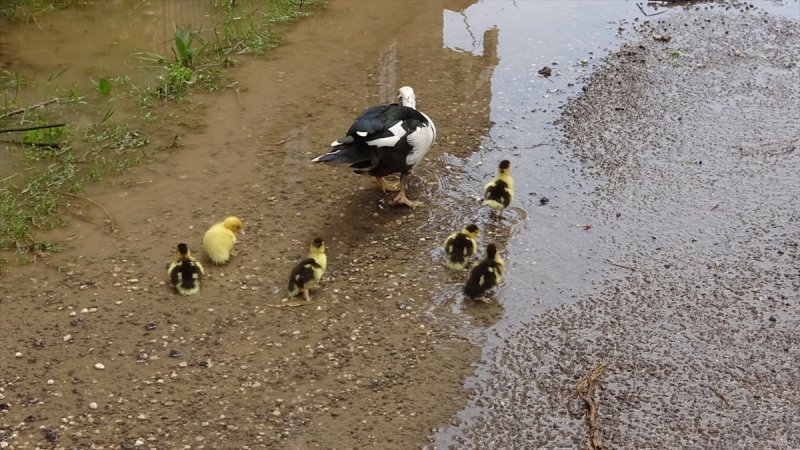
x: 302, y: 273
x: 475, y: 286
x: 498, y: 191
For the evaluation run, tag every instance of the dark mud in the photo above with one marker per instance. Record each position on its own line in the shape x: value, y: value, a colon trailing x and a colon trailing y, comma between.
x: 694, y: 143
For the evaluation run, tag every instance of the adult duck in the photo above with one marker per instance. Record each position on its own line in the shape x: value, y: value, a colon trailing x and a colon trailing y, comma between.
x: 386, y: 139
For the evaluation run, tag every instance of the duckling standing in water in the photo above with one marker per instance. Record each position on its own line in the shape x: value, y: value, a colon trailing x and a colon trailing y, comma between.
x: 307, y: 273
x: 460, y: 246
x: 185, y: 272
x: 219, y: 239
x: 499, y: 192
x: 486, y: 275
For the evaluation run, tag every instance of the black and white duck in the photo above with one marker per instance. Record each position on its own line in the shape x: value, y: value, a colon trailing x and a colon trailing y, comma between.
x: 386, y: 139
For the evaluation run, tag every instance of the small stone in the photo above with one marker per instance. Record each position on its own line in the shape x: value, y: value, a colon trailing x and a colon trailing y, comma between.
x: 175, y: 353
x: 18, y: 355
x: 50, y: 434
x: 150, y: 326
x: 93, y: 405
x: 138, y: 443
x: 99, y: 366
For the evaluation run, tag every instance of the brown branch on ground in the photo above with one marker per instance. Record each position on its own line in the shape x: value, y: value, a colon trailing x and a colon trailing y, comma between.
x: 585, y: 389
x: 649, y: 15
x: 26, y: 108
x: 632, y: 269
x: 721, y: 397
x: 289, y: 306
x: 111, y: 225
x: 31, y: 128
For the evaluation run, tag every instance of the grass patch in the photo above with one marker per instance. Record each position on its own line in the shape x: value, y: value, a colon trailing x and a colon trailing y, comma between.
x: 73, y: 138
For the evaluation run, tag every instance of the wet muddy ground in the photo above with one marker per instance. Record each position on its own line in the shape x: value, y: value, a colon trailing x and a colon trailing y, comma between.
x: 695, y: 164
x: 694, y: 142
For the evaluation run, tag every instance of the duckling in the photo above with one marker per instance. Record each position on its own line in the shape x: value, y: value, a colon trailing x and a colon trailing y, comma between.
x: 307, y: 273
x: 219, y: 239
x: 486, y: 275
x: 499, y: 192
x: 185, y: 272
x: 460, y: 246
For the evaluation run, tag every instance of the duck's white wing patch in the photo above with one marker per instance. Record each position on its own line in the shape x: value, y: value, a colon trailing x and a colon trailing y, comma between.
x: 397, y: 131
x: 420, y: 140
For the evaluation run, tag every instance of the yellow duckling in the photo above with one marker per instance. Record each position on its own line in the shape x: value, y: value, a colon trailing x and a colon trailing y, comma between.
x: 460, y: 246
x: 499, y: 192
x: 486, y: 275
x: 307, y: 273
x: 185, y: 272
x: 219, y: 239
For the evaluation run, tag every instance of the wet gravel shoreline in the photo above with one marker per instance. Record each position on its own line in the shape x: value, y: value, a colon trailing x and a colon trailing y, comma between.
x: 694, y: 145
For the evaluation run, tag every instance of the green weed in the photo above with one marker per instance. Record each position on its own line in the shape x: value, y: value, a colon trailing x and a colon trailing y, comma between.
x: 52, y: 162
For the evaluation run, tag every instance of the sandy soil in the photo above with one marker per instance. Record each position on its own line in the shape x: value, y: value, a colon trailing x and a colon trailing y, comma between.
x: 694, y: 141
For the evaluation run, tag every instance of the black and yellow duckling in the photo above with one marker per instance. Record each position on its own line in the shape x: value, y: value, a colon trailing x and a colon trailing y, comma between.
x: 460, y: 246
x: 185, y: 272
x: 307, y: 273
x: 499, y: 192
x: 486, y: 275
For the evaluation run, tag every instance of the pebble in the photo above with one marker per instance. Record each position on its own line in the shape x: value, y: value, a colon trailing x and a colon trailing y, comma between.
x: 18, y: 355
x: 99, y: 366
x: 138, y: 443
x: 93, y: 405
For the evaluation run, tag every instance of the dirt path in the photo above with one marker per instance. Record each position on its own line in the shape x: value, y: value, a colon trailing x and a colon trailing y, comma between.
x: 695, y: 143
x: 372, y: 360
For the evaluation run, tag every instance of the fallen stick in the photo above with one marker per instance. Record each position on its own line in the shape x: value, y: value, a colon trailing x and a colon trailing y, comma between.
x: 37, y: 127
x: 648, y: 15
x: 632, y: 269
x: 288, y: 305
x: 26, y: 108
x: 721, y: 397
x: 111, y: 223
x: 585, y: 389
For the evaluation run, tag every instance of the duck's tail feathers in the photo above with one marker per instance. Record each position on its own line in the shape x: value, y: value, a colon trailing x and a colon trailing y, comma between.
x: 494, y: 204
x: 344, y: 154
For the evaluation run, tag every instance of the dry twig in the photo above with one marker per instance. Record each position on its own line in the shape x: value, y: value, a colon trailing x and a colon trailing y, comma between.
x: 287, y: 305
x: 111, y: 224
x: 26, y: 108
x: 632, y: 269
x: 585, y: 389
